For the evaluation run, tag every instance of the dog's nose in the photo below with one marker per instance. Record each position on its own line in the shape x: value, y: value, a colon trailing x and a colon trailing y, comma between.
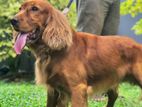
x: 14, y: 22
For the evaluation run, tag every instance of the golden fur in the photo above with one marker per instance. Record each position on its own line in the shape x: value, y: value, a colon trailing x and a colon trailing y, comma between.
x: 74, y: 64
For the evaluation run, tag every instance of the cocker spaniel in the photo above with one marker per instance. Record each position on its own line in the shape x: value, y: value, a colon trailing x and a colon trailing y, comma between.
x: 74, y: 64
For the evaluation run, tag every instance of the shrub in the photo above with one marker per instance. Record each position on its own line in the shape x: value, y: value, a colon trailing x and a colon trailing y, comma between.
x: 134, y: 8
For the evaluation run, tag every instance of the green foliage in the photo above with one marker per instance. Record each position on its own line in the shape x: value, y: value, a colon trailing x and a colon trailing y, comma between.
x: 8, y: 8
x: 133, y: 7
x: 61, y: 4
x: 138, y: 27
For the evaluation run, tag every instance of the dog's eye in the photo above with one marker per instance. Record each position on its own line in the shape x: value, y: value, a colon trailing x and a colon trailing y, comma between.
x: 34, y: 8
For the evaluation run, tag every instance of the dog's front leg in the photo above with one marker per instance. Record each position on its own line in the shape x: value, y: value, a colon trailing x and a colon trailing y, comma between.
x: 56, y: 98
x: 79, y: 95
x: 52, y: 96
x: 62, y: 100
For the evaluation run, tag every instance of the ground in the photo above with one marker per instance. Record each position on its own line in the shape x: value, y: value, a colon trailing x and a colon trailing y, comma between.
x: 25, y: 94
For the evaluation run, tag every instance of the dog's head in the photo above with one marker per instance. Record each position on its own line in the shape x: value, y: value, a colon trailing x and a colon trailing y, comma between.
x: 38, y: 20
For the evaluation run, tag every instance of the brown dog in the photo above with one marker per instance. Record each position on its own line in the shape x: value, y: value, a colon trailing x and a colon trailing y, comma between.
x: 74, y: 64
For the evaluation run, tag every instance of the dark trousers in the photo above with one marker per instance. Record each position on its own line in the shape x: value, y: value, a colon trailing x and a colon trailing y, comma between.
x: 98, y: 16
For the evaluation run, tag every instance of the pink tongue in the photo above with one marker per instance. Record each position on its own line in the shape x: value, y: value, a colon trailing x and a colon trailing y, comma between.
x: 20, y: 43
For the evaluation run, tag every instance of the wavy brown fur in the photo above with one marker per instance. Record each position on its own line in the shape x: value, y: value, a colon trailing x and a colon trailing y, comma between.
x: 58, y: 33
x: 75, y: 64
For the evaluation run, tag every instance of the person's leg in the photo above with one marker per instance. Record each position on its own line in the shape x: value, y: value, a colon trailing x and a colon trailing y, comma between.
x: 98, y: 16
x: 111, y: 22
x: 90, y: 16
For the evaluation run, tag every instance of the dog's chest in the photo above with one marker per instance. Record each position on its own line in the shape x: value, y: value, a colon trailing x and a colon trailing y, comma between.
x: 48, y: 74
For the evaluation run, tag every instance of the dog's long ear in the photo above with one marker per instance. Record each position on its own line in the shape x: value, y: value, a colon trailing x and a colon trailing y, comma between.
x: 57, y: 33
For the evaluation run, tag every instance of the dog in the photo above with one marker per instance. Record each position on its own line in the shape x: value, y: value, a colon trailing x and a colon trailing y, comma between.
x: 74, y: 65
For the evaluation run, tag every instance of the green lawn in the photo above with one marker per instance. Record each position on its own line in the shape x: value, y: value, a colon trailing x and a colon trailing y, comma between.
x: 30, y: 95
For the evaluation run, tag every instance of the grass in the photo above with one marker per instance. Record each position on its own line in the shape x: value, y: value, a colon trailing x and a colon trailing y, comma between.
x: 30, y: 95
x: 21, y: 95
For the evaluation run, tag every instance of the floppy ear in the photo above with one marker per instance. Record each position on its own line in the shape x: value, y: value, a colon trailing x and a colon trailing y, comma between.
x: 57, y: 33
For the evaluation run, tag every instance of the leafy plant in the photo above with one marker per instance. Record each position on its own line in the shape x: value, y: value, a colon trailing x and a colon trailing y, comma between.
x: 134, y: 8
x: 7, y: 10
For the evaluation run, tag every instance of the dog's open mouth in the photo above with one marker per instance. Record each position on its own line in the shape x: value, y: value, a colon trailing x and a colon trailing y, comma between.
x: 25, y: 38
